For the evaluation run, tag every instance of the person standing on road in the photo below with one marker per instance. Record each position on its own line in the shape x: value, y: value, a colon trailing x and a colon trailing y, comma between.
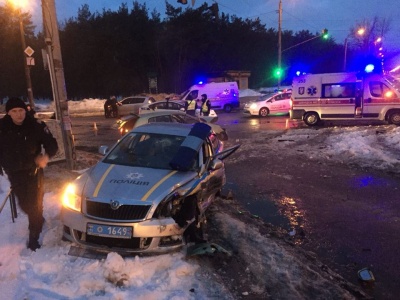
x: 111, y: 107
x: 205, y: 106
x: 30, y: 110
x: 190, y: 103
x: 22, y: 141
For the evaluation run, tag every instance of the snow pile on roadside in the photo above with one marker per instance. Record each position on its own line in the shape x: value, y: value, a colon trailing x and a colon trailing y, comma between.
x: 366, y: 146
x: 248, y: 93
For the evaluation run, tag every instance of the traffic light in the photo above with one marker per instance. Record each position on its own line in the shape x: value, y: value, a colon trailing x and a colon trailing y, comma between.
x: 182, y: 1
x: 325, y: 34
x: 278, y: 73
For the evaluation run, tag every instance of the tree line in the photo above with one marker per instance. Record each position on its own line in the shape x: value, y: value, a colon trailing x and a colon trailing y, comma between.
x: 114, y: 52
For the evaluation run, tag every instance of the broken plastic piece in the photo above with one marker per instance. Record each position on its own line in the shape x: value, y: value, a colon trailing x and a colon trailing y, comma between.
x: 366, y: 275
x: 206, y: 248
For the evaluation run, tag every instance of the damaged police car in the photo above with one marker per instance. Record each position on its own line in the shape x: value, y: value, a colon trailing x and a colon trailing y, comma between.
x: 149, y: 193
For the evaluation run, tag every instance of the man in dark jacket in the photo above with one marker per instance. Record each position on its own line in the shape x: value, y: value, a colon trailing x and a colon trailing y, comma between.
x: 111, y: 107
x: 26, y: 144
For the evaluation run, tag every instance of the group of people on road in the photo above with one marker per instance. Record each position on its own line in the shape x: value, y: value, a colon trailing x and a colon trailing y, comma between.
x: 198, y: 107
x: 26, y: 145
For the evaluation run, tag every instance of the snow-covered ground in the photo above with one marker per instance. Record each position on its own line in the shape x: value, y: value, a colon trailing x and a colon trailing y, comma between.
x: 50, y: 273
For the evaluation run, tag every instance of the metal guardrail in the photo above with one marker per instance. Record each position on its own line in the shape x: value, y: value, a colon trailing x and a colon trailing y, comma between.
x: 10, y: 196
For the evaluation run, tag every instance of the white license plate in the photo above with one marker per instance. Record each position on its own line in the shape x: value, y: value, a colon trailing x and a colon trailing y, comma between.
x: 124, y: 232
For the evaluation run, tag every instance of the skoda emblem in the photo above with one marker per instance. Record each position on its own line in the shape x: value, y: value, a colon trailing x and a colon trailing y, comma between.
x: 114, y: 204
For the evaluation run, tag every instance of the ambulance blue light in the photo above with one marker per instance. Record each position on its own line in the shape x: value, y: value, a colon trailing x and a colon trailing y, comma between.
x: 369, y: 68
x: 200, y: 82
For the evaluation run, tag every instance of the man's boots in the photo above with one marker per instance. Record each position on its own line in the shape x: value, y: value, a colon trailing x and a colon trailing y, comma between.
x: 33, y: 242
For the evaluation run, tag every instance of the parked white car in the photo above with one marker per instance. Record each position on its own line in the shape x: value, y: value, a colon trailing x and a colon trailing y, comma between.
x: 132, y: 105
x: 265, y: 105
x: 177, y: 105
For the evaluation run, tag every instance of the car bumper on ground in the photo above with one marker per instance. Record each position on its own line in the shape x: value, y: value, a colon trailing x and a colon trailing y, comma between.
x: 148, y: 236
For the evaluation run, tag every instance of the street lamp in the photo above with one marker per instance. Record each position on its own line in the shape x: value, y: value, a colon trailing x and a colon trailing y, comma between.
x: 19, y: 4
x: 360, y: 31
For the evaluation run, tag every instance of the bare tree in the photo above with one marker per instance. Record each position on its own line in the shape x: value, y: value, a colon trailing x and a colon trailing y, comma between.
x: 368, y: 35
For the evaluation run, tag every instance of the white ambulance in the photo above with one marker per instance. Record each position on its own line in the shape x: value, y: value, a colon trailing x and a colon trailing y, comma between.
x: 222, y: 95
x: 345, y: 96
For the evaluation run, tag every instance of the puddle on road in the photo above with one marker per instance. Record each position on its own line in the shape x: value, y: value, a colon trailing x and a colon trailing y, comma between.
x: 276, y: 209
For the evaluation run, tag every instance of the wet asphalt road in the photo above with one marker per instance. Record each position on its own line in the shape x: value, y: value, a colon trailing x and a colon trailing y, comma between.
x: 348, y: 216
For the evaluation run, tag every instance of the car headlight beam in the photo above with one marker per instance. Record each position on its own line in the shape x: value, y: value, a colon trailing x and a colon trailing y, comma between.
x: 70, y: 199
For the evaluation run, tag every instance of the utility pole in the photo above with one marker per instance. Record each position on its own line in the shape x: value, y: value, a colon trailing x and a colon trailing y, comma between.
x: 56, y: 69
x: 279, y: 41
x: 27, y: 70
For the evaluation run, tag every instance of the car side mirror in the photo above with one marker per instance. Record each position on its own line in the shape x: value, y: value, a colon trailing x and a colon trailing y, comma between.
x: 103, y: 150
x: 216, y: 164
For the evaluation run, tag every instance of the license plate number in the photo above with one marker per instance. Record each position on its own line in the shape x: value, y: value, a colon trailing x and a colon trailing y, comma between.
x: 124, y: 232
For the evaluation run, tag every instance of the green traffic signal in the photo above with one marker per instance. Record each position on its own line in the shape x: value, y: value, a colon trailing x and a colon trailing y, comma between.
x: 325, y: 34
x: 278, y: 73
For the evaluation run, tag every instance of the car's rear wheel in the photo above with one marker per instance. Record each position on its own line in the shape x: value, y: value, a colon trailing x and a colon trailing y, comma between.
x: 263, y: 112
x: 311, y: 118
x: 394, y: 118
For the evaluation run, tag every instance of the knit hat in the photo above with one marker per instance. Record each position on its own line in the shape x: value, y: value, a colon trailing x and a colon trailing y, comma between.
x: 14, y: 103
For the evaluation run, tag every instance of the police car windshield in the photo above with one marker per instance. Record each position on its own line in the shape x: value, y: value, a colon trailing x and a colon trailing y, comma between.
x: 151, y: 150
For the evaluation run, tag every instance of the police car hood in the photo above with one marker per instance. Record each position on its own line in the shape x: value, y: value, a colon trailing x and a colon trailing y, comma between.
x: 133, y: 184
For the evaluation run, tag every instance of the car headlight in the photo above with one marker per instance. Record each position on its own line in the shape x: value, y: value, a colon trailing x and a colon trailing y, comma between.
x: 253, y: 106
x: 168, y: 207
x: 70, y: 199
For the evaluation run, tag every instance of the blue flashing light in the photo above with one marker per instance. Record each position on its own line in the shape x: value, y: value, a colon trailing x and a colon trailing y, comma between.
x: 368, y: 181
x: 200, y: 82
x: 298, y: 73
x: 369, y: 68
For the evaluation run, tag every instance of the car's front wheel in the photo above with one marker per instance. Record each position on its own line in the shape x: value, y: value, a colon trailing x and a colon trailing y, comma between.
x: 263, y: 112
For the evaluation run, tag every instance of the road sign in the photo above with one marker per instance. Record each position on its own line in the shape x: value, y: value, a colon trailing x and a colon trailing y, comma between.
x: 29, y: 51
x: 30, y: 61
